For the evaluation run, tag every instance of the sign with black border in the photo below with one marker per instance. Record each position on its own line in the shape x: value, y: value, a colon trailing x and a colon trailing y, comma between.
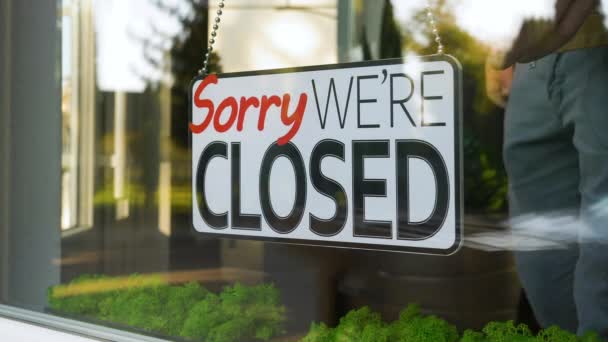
x: 358, y: 155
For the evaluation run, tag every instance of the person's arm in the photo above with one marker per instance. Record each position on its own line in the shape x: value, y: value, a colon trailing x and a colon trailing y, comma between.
x: 530, y: 45
x: 498, y: 83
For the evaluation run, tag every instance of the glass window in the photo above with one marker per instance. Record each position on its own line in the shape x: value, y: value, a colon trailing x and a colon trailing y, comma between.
x: 96, y: 160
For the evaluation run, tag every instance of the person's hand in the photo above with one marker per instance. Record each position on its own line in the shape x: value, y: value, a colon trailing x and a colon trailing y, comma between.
x: 537, y: 39
x: 498, y: 80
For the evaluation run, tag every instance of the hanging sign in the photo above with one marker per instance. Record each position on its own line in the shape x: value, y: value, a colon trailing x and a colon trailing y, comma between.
x: 361, y: 155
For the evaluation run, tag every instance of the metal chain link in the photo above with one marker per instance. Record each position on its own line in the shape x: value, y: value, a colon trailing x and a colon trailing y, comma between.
x: 216, y: 26
x: 204, y: 70
x: 433, y: 24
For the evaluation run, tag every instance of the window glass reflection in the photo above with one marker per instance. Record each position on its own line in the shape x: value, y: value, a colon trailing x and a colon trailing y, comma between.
x: 534, y: 164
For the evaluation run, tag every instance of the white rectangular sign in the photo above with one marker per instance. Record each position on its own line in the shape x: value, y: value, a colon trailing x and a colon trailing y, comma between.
x: 361, y: 155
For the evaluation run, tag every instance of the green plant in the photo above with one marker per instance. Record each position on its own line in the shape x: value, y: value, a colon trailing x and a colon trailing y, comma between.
x: 83, y: 305
x: 365, y: 325
x: 413, y: 326
x: 191, y: 311
x: 319, y: 332
x: 238, y: 312
x: 362, y: 325
x: 508, y: 331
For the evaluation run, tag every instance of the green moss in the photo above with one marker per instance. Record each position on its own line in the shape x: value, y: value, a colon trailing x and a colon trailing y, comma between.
x: 255, y: 313
x: 141, y: 307
x: 555, y: 334
x: 507, y: 332
x: 362, y: 325
x: 203, y: 317
x: 472, y: 336
x: 319, y: 332
x: 412, y: 326
x: 238, y: 313
x: 179, y: 303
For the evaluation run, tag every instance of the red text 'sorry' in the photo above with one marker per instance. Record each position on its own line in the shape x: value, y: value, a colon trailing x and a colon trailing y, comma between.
x: 238, y: 110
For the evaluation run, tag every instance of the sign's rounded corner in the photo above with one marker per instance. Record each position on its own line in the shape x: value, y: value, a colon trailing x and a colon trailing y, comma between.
x: 193, y: 228
x: 454, y: 62
x: 455, y: 248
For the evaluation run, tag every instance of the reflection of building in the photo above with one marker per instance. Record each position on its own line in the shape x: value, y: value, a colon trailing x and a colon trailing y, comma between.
x: 310, y: 23
x: 78, y: 109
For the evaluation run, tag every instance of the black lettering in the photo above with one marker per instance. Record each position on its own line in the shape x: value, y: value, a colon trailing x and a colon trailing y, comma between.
x: 401, y: 102
x: 332, y: 87
x: 428, y: 98
x: 283, y: 225
x: 360, y: 101
x: 213, y: 150
x: 239, y: 220
x: 406, y: 229
x: 329, y: 188
x: 363, y: 187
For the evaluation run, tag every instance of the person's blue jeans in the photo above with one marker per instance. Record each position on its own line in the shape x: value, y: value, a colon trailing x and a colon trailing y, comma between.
x: 556, y: 155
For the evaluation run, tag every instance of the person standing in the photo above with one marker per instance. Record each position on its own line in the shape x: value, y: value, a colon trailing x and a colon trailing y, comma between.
x: 556, y: 157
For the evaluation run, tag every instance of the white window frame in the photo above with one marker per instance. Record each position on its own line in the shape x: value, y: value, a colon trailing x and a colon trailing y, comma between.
x: 72, y: 327
x: 80, y: 185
